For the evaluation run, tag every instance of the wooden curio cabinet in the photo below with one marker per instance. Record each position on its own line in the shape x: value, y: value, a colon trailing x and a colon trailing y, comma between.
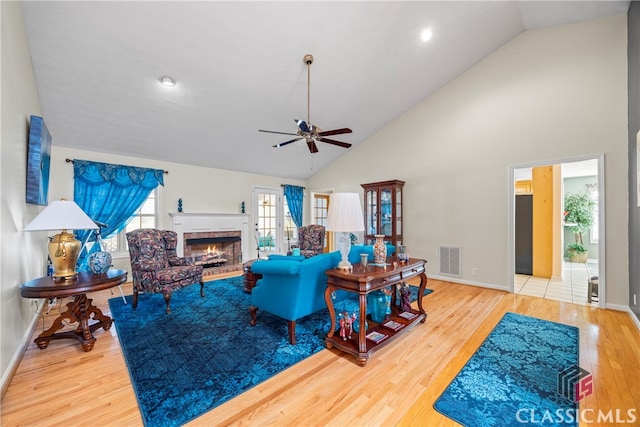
x: 383, y: 211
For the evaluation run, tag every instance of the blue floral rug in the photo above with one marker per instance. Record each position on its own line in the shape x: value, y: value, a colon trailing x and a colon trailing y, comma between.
x: 205, y: 352
x: 512, y: 379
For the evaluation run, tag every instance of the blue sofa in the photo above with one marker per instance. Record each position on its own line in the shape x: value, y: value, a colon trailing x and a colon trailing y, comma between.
x: 293, y: 286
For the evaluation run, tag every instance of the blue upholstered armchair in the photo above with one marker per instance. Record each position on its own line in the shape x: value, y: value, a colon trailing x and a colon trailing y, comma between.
x: 293, y: 286
x: 155, y: 266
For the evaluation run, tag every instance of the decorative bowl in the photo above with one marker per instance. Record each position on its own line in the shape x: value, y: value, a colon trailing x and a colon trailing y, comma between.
x: 99, y: 262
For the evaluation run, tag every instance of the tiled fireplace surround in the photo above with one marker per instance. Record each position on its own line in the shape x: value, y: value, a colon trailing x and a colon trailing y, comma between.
x: 228, y: 233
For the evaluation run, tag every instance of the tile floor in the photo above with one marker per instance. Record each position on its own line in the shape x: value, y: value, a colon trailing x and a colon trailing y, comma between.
x: 573, y: 288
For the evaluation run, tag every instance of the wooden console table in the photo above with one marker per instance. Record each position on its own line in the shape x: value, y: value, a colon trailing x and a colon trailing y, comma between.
x: 362, y: 281
x: 80, y: 310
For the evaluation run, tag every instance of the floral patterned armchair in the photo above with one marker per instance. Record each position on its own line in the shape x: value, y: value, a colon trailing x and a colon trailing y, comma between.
x: 156, y: 268
x: 311, y: 240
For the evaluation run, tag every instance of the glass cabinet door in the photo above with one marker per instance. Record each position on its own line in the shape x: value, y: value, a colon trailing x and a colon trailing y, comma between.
x: 386, y: 211
x: 371, y: 210
x: 399, y: 211
x: 383, y: 211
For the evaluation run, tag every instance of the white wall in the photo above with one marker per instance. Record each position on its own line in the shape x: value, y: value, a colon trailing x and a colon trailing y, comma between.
x: 203, y: 190
x: 22, y: 255
x: 548, y: 94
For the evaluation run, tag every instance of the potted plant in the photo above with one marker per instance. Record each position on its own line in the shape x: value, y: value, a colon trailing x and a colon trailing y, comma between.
x: 578, y: 216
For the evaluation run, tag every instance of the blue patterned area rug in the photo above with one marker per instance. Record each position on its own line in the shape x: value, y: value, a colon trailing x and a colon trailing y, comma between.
x: 205, y: 352
x: 512, y: 379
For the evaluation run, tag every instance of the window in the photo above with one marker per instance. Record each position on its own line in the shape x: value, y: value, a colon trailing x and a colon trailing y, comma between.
x: 290, y: 228
x: 145, y: 217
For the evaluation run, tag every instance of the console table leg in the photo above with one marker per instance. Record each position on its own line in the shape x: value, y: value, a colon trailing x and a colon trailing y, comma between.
x: 423, y: 286
x: 332, y: 312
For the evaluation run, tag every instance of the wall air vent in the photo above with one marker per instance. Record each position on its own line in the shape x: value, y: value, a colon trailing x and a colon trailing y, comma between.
x: 450, y: 260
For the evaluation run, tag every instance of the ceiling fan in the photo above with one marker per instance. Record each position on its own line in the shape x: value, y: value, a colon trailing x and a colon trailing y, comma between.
x: 308, y: 131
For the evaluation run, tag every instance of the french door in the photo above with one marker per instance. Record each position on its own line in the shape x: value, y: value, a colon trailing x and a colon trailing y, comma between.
x: 268, y: 219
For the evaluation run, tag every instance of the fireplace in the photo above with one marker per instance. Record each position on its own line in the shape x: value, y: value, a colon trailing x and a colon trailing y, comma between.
x: 216, y: 251
x: 229, y: 232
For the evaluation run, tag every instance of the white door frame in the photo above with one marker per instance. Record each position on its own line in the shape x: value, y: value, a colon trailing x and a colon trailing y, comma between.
x: 601, y: 221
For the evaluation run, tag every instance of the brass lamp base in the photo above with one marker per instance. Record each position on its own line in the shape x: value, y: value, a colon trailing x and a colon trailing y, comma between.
x: 64, y: 250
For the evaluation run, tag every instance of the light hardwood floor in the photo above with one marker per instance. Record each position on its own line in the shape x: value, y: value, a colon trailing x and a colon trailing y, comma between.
x: 62, y: 385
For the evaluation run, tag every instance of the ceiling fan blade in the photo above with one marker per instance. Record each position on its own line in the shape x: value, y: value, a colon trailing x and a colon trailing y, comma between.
x: 282, y: 144
x: 273, y: 131
x: 334, y: 142
x: 312, y: 145
x: 302, y: 125
x: 335, y: 132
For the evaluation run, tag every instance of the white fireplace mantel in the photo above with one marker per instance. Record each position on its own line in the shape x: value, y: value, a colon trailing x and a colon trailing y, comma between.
x: 202, y: 222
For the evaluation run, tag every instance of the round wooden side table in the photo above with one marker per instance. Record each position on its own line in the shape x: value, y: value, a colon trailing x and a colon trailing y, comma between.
x: 80, y: 310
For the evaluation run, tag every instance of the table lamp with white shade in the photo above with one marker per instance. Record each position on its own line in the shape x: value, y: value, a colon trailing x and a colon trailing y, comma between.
x: 64, y: 248
x: 345, y: 216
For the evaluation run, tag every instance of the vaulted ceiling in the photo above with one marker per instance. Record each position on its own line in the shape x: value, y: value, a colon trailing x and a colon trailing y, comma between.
x: 239, y: 68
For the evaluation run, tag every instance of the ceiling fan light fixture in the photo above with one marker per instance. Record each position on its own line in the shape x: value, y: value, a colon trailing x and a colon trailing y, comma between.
x: 307, y: 130
x: 167, y: 81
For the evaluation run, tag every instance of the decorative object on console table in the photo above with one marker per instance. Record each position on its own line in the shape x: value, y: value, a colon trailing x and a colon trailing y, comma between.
x: 376, y: 337
x: 403, y: 256
x: 364, y: 260
x: 343, y: 217
x: 377, y: 305
x: 64, y: 248
x: 379, y: 250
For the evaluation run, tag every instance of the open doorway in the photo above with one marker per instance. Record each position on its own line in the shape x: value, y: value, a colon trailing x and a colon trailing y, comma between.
x: 540, y: 264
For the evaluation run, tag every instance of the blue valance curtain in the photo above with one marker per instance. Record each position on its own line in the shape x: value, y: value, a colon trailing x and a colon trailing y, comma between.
x: 294, y: 195
x: 110, y: 194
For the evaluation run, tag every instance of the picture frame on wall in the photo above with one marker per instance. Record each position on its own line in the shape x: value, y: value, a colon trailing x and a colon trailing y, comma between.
x: 38, y: 162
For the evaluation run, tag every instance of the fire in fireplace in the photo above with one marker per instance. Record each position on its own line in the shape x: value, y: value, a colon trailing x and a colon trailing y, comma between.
x: 217, y: 251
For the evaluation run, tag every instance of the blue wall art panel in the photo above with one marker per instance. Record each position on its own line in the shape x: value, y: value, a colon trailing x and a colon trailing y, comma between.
x: 38, y: 162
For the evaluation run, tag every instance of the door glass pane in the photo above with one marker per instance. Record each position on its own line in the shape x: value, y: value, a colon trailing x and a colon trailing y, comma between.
x: 267, y: 221
x: 385, y: 212
x: 371, y: 209
x: 398, y: 211
x: 319, y: 216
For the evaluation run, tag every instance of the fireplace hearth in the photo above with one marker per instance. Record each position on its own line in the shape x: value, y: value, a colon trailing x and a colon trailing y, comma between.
x: 216, y: 251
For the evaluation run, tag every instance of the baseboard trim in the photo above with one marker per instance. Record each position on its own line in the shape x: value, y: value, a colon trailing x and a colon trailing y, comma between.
x: 634, y: 318
x: 17, y: 356
x: 468, y: 282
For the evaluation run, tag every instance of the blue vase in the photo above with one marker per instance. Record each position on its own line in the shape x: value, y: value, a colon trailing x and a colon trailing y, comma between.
x: 99, y: 262
x: 377, y: 305
x: 356, y: 324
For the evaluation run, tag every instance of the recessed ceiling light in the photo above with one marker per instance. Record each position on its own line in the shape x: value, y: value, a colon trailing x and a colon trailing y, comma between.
x: 167, y: 81
x: 426, y: 35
